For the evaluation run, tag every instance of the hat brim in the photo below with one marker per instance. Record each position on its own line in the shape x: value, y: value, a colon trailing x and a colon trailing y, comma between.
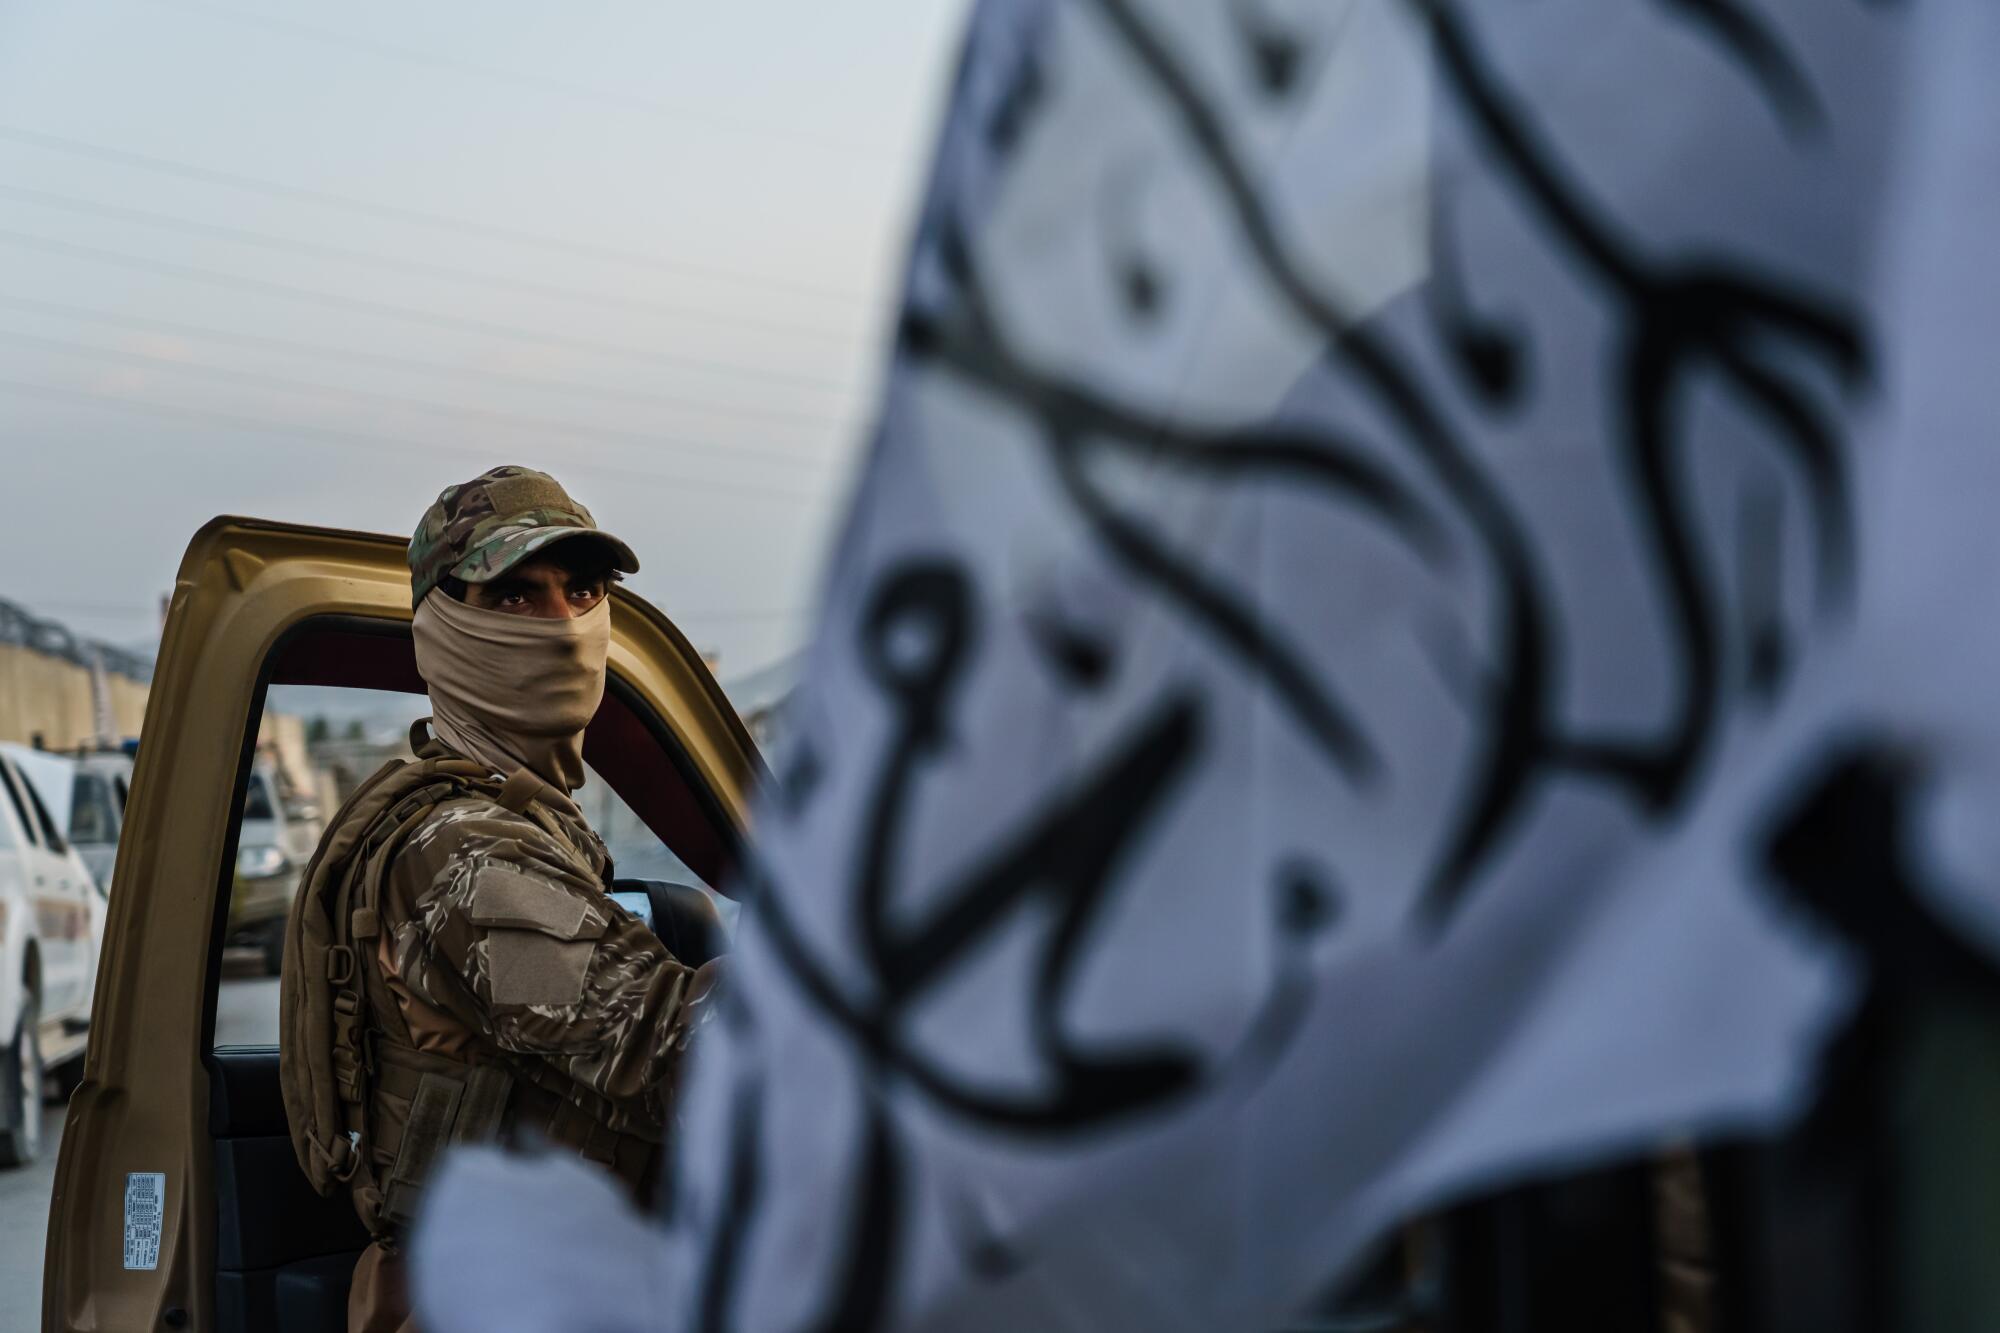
x: 491, y: 560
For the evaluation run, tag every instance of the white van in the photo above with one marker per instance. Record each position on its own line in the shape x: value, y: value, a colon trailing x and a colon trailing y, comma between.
x: 51, y: 929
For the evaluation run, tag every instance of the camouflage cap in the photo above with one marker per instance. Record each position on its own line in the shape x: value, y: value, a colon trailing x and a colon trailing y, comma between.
x: 482, y: 528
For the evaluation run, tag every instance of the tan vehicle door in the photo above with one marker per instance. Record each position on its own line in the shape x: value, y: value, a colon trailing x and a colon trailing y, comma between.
x: 177, y: 1202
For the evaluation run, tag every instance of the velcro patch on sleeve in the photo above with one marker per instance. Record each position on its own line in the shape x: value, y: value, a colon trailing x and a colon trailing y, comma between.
x: 503, y: 895
x: 528, y: 967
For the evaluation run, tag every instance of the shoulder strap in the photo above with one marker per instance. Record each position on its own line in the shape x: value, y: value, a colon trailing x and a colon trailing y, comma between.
x: 359, y: 902
x: 522, y: 789
x: 424, y: 745
x: 526, y: 794
x: 307, y: 980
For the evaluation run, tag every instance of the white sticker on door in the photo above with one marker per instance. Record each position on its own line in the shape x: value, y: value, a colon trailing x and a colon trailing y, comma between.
x: 145, y: 1206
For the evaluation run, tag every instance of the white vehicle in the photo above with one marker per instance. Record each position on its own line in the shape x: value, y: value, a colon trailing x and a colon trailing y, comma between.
x: 273, y: 844
x: 51, y: 928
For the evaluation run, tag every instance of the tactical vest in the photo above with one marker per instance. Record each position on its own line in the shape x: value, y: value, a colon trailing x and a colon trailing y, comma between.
x: 367, y: 1109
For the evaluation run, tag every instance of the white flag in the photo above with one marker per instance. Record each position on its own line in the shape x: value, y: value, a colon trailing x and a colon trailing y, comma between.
x: 1377, y: 523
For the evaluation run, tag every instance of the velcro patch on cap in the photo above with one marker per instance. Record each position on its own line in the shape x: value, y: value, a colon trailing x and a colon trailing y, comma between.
x: 511, y: 495
x: 508, y: 897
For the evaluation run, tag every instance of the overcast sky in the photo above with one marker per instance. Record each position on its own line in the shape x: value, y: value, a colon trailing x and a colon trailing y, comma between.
x: 316, y: 261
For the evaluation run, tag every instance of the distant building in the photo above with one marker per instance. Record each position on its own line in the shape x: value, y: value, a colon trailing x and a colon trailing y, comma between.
x: 64, y: 692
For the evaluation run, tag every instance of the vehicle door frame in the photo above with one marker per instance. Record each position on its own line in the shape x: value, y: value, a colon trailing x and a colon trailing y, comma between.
x: 142, y: 1105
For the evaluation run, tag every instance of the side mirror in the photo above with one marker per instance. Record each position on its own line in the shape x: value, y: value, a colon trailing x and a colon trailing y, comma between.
x: 685, y: 918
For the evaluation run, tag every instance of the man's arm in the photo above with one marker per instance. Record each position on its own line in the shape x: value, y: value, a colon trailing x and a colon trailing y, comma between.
x: 504, y: 932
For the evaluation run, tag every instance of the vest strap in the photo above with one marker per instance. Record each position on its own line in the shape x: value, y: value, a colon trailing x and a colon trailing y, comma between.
x: 521, y: 789
x: 432, y: 1115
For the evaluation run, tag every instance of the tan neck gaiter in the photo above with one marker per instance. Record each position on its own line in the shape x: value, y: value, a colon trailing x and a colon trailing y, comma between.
x: 513, y: 691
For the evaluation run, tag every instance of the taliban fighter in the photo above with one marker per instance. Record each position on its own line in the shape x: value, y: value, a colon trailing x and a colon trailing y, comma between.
x: 455, y: 971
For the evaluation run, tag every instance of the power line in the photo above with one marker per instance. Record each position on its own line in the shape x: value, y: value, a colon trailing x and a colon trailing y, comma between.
x: 74, y: 607
x: 79, y: 607
x: 145, y: 217
x: 286, y: 383
x: 509, y: 379
x: 788, y: 613
x: 518, y: 78
x: 388, y: 310
x: 416, y: 217
x: 401, y: 448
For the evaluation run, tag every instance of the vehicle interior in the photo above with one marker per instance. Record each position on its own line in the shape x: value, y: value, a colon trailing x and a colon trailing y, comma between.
x: 283, y: 1254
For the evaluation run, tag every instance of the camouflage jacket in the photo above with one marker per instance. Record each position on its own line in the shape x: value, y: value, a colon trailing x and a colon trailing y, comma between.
x: 497, y: 932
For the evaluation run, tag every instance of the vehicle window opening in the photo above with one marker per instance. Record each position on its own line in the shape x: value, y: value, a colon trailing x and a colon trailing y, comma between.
x: 52, y: 837
x: 257, y: 803
x: 8, y: 779
x: 340, y: 699
x: 91, y: 819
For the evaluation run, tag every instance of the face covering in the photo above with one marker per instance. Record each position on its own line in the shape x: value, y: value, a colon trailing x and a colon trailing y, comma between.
x: 513, y: 691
